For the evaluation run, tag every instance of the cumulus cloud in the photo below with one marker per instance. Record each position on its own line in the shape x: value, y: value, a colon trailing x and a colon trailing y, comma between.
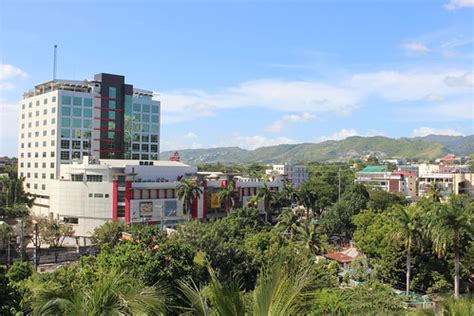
x: 416, y: 47
x: 465, y: 80
x: 8, y: 71
x: 348, y: 132
x: 425, y: 131
x: 255, y: 141
x: 458, y: 4
x: 190, y: 135
x: 283, y: 123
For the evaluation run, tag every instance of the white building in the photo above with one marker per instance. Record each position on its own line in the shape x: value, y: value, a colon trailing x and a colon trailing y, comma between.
x: 297, y: 174
x: 65, y: 120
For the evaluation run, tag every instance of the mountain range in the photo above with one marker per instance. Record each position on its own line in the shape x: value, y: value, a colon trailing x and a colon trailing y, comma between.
x: 427, y: 147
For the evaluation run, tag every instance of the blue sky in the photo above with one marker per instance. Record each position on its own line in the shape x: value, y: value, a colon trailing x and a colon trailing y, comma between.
x: 255, y: 73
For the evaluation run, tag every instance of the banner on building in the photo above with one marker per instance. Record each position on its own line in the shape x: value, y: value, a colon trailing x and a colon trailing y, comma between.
x: 215, y: 200
x: 146, y: 209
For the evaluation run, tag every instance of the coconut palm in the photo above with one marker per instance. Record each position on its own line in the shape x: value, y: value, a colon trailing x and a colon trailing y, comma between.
x: 280, y: 291
x: 187, y: 191
x: 308, y: 237
x: 267, y: 195
x: 228, y: 196
x: 111, y: 294
x: 289, y: 192
x: 288, y: 223
x: 307, y: 198
x: 435, y: 191
x: 448, y: 223
x: 406, y: 231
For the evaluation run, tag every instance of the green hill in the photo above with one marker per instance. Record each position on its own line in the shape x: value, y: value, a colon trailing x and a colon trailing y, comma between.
x: 429, y: 147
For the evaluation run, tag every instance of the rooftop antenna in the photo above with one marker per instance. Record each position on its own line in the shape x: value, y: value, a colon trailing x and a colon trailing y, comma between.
x: 54, y: 64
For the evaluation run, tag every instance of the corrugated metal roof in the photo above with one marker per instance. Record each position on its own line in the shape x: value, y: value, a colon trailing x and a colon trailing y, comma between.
x: 374, y: 169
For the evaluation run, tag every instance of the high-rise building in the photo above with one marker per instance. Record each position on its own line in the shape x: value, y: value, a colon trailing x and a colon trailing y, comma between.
x: 65, y: 120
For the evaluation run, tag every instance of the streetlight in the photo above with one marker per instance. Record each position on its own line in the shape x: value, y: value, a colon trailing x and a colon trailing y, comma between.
x: 36, y: 232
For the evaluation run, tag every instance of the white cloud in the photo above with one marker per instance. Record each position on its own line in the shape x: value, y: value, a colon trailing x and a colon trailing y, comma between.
x: 255, y: 141
x: 283, y: 123
x: 465, y: 80
x: 6, y: 86
x: 416, y: 47
x: 434, y: 97
x: 425, y: 131
x: 190, y: 135
x: 458, y: 4
x: 348, y: 132
x: 9, y: 71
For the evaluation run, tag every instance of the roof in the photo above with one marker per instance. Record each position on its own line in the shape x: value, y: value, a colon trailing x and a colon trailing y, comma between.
x: 448, y: 157
x: 405, y: 173
x: 339, y: 257
x: 373, y: 169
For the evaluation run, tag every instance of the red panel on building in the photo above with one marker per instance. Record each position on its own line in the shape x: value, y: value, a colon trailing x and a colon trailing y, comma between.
x: 394, y: 186
x: 204, y: 200
x: 128, y: 197
x: 114, y: 200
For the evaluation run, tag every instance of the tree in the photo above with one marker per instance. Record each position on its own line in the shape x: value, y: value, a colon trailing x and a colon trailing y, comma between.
x: 109, y: 233
x: 13, y: 196
x: 110, y: 294
x: 267, y: 195
x: 53, y: 233
x: 307, y: 198
x: 228, y: 196
x: 187, y: 191
x: 288, y: 223
x: 381, y: 200
x: 449, y: 222
x: 435, y: 191
x: 406, y: 231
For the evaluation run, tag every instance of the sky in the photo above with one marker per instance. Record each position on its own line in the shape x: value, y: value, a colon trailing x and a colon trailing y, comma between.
x: 255, y: 73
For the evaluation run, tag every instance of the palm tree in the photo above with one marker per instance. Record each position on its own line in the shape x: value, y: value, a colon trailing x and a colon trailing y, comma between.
x: 406, y: 231
x: 289, y: 191
x: 448, y: 223
x: 188, y: 191
x: 280, y: 291
x: 267, y: 195
x: 435, y: 191
x: 111, y: 294
x: 288, y: 223
x: 308, y: 237
x: 307, y: 198
x: 228, y: 195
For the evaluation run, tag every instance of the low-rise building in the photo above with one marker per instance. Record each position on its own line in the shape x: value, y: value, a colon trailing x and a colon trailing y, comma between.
x: 295, y: 173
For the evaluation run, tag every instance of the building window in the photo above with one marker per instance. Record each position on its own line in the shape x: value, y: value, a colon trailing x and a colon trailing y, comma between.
x: 88, y: 102
x: 112, y: 92
x: 154, y: 109
x: 77, y: 112
x: 135, y: 156
x: 64, y: 155
x: 53, y: 110
x: 87, y: 123
x: 98, y: 195
x: 64, y: 144
x: 144, y: 147
x: 77, y: 177
x: 145, y: 138
x: 111, y: 115
x: 76, y: 123
x: 36, y: 165
x: 144, y: 157
x: 28, y: 175
x: 154, y: 119
x: 45, y: 101
x: 53, y: 121
x: 36, y: 175
x: 51, y: 175
x: 137, y: 107
x: 43, y: 175
x: 45, y: 111
x: 43, y: 187
x: 154, y: 148
x: 112, y: 104
x: 65, y: 122
x: 146, y: 108
x: 52, y: 154
x: 94, y: 178
x: 35, y: 186
x: 45, y: 133
x: 76, y: 144
x: 88, y: 112
x: 51, y: 165
x: 66, y: 100
x: 53, y: 132
x: 44, y: 154
x: 106, y: 196
x: 65, y: 110
x: 53, y: 100
x: 136, y: 147
x: 76, y: 155
x: 77, y: 101
x: 45, y: 122
x: 170, y: 208
x: 23, y: 106
x: 71, y: 220
x: 65, y: 133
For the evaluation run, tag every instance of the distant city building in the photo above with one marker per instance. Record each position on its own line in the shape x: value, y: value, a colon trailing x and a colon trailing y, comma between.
x: 66, y: 120
x: 295, y: 173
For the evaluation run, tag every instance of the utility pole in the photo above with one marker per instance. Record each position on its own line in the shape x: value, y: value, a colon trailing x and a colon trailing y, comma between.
x: 35, y: 222
x: 339, y: 183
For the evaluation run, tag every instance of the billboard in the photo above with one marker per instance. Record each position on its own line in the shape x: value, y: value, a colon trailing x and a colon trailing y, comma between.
x: 215, y: 200
x: 146, y: 209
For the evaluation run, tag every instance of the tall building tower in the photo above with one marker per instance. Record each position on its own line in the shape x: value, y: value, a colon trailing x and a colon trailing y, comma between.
x: 65, y: 120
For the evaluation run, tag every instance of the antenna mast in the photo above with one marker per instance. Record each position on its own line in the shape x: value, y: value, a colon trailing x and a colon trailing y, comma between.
x: 54, y: 63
